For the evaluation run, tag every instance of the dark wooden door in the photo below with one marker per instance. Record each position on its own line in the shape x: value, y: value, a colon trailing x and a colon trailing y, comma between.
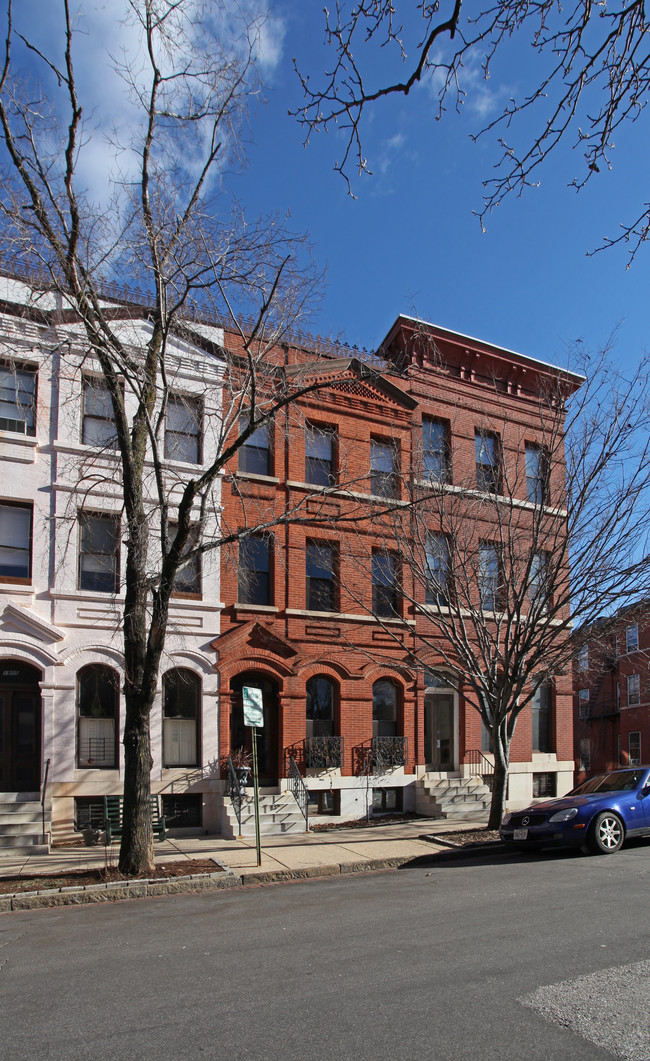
x: 20, y: 729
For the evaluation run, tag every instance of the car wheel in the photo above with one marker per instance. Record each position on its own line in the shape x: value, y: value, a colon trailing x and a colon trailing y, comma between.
x: 606, y: 833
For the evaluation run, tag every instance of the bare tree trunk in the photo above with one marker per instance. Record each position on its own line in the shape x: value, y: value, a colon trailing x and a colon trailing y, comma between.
x: 500, y: 786
x: 136, y: 851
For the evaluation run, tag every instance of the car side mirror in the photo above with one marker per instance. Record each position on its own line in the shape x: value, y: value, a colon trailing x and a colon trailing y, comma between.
x: 644, y: 792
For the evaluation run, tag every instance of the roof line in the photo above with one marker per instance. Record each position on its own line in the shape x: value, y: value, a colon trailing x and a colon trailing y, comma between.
x: 485, y: 342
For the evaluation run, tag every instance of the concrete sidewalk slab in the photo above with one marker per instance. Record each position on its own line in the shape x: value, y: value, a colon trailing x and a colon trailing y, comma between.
x: 287, y: 857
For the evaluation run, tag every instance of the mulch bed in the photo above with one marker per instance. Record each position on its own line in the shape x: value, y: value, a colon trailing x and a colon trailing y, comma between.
x: 363, y: 823
x: 468, y: 836
x: 105, y: 875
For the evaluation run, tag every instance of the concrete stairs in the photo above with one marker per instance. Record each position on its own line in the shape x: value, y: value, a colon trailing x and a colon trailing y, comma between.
x: 454, y: 798
x: 21, y: 825
x: 279, y: 813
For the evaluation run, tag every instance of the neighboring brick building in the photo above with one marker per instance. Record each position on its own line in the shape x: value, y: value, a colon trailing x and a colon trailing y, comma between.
x: 611, y: 683
x: 341, y: 696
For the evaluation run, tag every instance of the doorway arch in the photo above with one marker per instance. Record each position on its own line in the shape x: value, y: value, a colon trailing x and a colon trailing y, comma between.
x: 20, y: 727
x: 267, y: 735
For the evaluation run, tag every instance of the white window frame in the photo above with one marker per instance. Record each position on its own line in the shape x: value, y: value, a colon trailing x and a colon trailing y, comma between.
x: 634, y: 760
x: 633, y: 690
x: 632, y: 638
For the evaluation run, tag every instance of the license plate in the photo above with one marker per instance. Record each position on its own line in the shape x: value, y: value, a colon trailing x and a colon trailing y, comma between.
x: 520, y: 834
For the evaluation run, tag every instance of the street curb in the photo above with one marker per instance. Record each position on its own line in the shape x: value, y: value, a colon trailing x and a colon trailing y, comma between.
x: 228, y: 878
x: 118, y: 891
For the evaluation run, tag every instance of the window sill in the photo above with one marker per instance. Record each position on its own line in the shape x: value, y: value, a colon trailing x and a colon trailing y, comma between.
x: 256, y: 477
x: 265, y: 608
x: 18, y: 439
x: 302, y: 613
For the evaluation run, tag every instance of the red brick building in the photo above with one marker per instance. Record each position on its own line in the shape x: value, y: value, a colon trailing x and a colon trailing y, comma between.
x: 341, y: 696
x: 611, y: 682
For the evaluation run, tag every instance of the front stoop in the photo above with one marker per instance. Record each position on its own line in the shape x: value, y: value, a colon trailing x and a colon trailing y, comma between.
x: 279, y: 813
x: 21, y: 825
x: 454, y: 798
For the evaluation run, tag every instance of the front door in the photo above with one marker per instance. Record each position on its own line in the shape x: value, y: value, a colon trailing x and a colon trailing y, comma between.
x: 20, y: 728
x: 267, y: 735
x: 439, y: 750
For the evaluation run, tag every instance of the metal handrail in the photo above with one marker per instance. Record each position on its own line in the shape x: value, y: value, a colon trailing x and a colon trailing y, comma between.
x: 479, y: 762
x: 43, y: 791
x: 234, y: 790
x: 298, y: 790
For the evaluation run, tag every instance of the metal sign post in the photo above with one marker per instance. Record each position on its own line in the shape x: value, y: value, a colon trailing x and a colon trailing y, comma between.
x: 254, y: 717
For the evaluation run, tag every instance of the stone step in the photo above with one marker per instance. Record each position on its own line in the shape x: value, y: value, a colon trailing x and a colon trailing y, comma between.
x: 20, y: 797
x: 15, y: 840
x: 20, y: 828
x: 24, y: 850
x: 19, y: 815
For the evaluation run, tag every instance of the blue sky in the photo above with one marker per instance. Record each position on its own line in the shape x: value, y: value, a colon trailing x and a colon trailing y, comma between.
x: 409, y: 241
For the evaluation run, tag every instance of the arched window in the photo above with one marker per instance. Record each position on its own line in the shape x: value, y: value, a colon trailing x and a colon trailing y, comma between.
x: 384, y: 709
x: 320, y: 708
x: 181, y: 697
x: 98, y: 712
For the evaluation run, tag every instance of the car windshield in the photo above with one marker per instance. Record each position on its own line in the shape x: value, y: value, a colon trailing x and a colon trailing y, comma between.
x: 619, y: 781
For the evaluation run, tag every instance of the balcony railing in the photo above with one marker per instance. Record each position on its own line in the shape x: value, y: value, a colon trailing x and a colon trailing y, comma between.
x: 389, y: 752
x: 607, y: 709
x: 324, y: 753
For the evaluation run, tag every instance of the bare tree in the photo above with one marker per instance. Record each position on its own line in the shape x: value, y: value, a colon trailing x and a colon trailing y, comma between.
x: 496, y: 573
x: 589, y: 64
x: 167, y: 224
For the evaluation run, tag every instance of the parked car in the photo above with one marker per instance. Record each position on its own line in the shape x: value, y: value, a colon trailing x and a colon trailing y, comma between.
x: 600, y: 814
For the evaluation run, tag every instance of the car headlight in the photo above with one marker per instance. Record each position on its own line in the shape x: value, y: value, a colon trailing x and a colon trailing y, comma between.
x: 564, y: 815
x: 506, y: 818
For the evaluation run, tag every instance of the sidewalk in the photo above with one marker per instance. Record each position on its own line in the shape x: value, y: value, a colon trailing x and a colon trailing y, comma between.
x: 293, y: 855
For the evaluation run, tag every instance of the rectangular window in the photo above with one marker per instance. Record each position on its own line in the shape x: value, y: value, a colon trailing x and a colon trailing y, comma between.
x: 387, y: 800
x: 17, y: 399
x: 183, y: 424
x: 253, y: 576
x: 583, y: 703
x: 98, y: 420
x: 544, y: 786
x: 320, y: 563
x: 188, y: 577
x: 384, y: 465
x: 487, y: 743
x: 632, y: 639
x: 385, y: 592
x: 437, y: 561
x: 488, y: 476
x: 15, y: 543
x: 633, y: 690
x: 99, y: 553
x: 536, y: 475
x: 583, y: 658
x: 539, y: 586
x: 541, y: 709
x: 634, y: 748
x: 319, y: 455
x: 183, y: 812
x: 435, y: 450
x: 489, y: 577
x: 585, y: 754
x: 255, y: 453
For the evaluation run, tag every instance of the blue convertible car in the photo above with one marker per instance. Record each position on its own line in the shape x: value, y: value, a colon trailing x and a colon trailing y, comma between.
x: 599, y: 814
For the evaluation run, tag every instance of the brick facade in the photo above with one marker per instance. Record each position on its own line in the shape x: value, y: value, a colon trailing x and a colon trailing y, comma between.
x: 426, y: 372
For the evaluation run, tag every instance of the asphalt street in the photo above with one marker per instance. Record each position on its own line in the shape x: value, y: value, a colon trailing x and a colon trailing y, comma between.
x: 508, y: 957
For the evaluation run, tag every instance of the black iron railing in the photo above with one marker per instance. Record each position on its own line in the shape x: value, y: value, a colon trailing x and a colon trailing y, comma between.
x: 480, y: 766
x: 234, y: 790
x: 43, y: 793
x: 298, y: 789
x: 389, y: 752
x: 323, y: 753
x: 608, y: 709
